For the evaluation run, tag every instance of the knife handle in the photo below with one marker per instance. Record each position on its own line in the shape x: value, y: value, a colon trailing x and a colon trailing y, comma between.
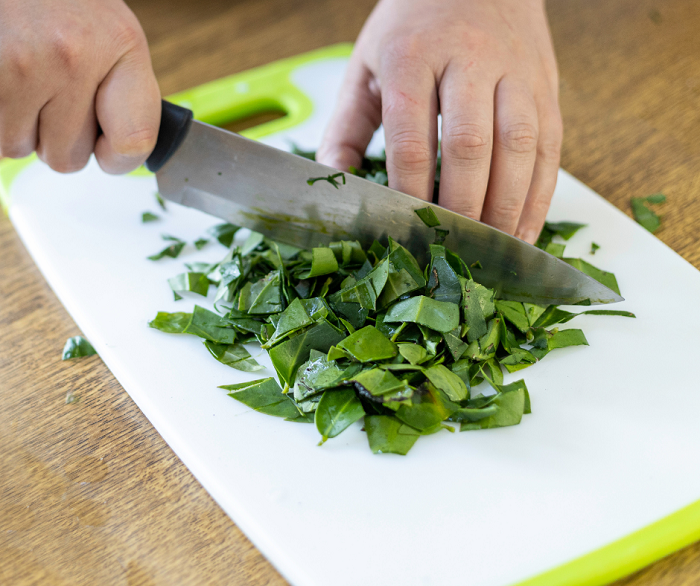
x: 174, y: 123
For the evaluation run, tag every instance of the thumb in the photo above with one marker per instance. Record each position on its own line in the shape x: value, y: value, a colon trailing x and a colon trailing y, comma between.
x: 128, y: 111
x: 357, y: 115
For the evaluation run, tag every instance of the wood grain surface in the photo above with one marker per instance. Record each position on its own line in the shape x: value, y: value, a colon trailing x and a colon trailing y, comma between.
x: 91, y: 494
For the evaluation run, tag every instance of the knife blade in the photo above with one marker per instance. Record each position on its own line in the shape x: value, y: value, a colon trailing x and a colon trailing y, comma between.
x: 265, y: 189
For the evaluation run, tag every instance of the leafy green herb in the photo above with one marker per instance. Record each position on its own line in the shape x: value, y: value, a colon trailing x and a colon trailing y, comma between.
x: 172, y: 251
x: 265, y: 396
x: 323, y: 262
x: 355, y: 332
x: 233, y: 355
x: 594, y: 247
x: 643, y: 214
x: 428, y: 216
x: 160, y: 200
x: 604, y: 277
x: 210, y: 326
x: 171, y: 323
x: 149, y: 217
x: 337, y: 410
x: 388, y: 435
x: 200, y: 243
x: 437, y: 315
x: 194, y: 282
x: 368, y: 345
x: 224, y: 233
x: 77, y: 347
x: 332, y: 179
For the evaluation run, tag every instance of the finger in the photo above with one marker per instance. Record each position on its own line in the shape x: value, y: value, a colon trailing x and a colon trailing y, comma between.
x: 67, y: 131
x: 409, y: 115
x: 19, y: 123
x: 466, y: 103
x: 357, y: 115
x: 128, y: 111
x: 514, y: 153
x: 544, y: 178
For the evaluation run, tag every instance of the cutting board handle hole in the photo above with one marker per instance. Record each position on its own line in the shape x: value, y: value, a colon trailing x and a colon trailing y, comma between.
x: 253, y: 119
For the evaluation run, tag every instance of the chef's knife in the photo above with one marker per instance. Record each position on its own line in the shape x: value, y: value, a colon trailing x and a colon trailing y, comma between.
x: 265, y: 189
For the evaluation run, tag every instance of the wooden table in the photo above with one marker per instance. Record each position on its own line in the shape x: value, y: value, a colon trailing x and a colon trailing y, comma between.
x: 91, y: 494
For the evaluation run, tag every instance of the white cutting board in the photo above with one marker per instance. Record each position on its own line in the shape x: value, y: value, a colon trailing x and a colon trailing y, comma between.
x: 610, y: 447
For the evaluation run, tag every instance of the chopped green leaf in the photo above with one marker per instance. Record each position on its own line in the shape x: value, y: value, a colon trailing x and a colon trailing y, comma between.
x: 194, y: 282
x: 265, y: 396
x: 643, y: 214
x: 428, y: 216
x: 171, y: 323
x: 368, y: 345
x: 438, y: 315
x: 607, y: 279
x: 233, y: 355
x: 149, y: 217
x: 160, y: 200
x: 332, y: 179
x: 77, y: 347
x: 288, y: 356
x: 594, y: 247
x: 337, y: 410
x: 224, y: 233
x: 172, y: 251
x: 323, y: 263
x: 210, y: 326
x: 388, y: 435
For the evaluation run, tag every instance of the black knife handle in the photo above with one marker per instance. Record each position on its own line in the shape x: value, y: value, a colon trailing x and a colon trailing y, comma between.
x: 174, y: 123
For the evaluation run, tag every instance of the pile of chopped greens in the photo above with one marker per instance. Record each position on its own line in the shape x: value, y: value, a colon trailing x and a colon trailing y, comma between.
x: 370, y: 333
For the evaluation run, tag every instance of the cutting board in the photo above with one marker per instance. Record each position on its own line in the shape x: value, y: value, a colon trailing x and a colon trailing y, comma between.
x: 602, y: 478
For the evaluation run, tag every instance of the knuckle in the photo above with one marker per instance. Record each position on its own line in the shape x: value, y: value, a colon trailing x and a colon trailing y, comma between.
x: 470, y: 210
x: 507, y: 210
x: 538, y: 204
x: 69, y: 46
x: 410, y: 152
x: 518, y: 137
x: 407, y: 47
x: 136, y: 142
x: 17, y: 62
x: 128, y: 34
x: 467, y: 141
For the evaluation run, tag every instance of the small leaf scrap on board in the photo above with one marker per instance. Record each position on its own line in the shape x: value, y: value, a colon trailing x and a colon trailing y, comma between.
x: 77, y: 347
x: 643, y: 214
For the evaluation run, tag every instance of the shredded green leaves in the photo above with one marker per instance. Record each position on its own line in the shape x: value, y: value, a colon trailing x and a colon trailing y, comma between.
x: 368, y: 333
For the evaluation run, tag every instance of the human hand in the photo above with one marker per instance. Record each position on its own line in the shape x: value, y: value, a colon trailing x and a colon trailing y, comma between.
x: 67, y: 66
x: 488, y: 67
